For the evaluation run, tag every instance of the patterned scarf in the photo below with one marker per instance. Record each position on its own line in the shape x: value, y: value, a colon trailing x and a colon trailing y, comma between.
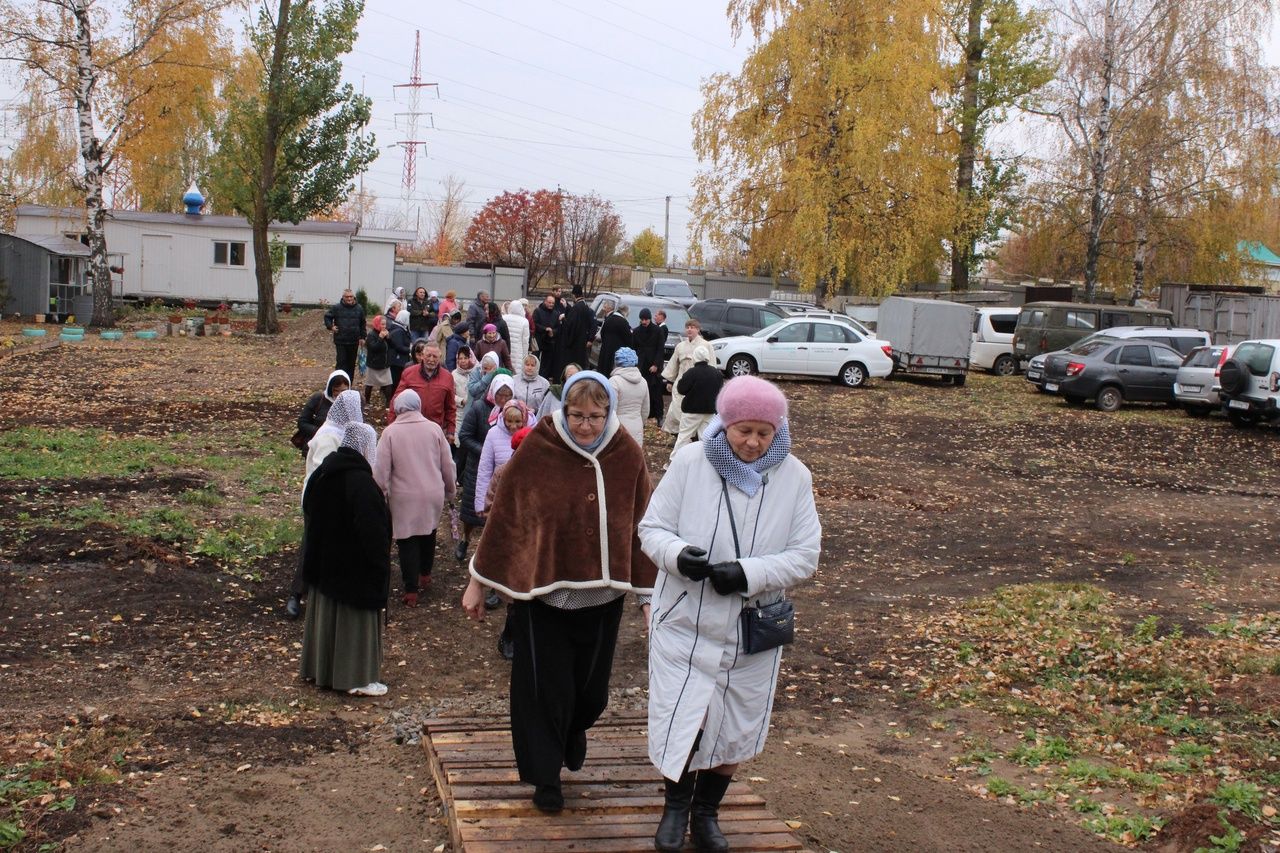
x: 745, y: 476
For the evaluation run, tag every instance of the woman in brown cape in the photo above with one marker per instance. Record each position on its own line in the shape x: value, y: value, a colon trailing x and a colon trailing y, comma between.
x: 575, y: 567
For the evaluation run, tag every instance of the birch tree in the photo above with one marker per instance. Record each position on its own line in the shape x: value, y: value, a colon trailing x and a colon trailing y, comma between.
x: 825, y: 152
x: 1154, y: 100
x: 88, y: 54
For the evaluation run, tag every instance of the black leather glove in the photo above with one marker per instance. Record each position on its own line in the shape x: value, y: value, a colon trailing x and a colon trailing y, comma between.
x: 728, y: 578
x: 692, y: 563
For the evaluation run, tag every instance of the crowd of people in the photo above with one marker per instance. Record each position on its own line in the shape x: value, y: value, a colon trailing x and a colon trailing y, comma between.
x: 504, y: 437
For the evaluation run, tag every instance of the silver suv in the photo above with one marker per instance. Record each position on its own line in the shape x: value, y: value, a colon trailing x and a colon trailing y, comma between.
x: 1249, y: 383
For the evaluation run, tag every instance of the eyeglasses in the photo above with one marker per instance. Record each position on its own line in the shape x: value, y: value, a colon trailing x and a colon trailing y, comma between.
x: 579, y: 419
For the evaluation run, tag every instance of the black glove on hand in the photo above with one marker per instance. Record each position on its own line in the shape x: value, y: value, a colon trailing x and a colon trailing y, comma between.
x: 728, y: 578
x: 692, y: 563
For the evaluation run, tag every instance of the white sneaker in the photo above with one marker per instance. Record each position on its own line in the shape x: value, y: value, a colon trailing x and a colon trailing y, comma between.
x: 376, y: 688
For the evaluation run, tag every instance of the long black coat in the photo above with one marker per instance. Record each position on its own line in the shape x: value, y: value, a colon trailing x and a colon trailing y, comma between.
x: 347, y: 543
x: 546, y: 325
x: 576, y: 331
x: 615, y: 333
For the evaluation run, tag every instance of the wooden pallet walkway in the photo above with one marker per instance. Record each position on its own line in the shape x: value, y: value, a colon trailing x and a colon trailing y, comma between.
x: 612, y: 804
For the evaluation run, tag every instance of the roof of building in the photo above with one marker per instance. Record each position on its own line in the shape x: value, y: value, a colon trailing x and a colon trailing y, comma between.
x: 1258, y: 253
x: 309, y: 226
x: 55, y: 243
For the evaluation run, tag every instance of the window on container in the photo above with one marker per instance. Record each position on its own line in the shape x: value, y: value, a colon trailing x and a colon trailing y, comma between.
x: 60, y: 270
x: 228, y: 253
x: 293, y: 257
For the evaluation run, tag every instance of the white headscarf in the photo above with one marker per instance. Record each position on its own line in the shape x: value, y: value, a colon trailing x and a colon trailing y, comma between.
x: 328, y: 383
x: 362, y: 437
x: 491, y: 357
x: 408, y: 401
x: 403, y: 317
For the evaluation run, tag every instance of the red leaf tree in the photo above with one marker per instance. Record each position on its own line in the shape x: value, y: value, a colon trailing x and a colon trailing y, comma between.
x: 517, y: 229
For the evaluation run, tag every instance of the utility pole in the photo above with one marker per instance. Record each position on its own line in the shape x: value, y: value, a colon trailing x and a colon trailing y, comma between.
x: 409, y: 181
x: 666, y: 235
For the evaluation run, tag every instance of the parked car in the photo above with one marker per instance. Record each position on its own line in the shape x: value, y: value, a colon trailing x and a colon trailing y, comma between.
x: 676, y: 316
x: 675, y: 289
x: 992, y: 347
x: 1249, y: 382
x: 806, y: 346
x: 1196, y: 385
x: 1110, y: 371
x: 1182, y: 340
x: 1051, y: 326
x: 723, y: 318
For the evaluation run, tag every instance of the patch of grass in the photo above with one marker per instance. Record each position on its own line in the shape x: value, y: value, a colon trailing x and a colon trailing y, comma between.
x: 1191, y: 751
x: 40, y: 453
x: 1230, y: 841
x: 1242, y: 797
x: 207, y: 496
x: 48, y: 781
x: 999, y: 787
x: 1050, y: 750
x: 247, y: 538
x: 1123, y: 829
x: 1085, y: 805
x: 1247, y: 628
x: 1087, y: 772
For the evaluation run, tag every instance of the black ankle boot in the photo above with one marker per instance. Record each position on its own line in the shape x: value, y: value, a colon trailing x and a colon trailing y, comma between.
x: 675, y: 814
x: 704, y: 823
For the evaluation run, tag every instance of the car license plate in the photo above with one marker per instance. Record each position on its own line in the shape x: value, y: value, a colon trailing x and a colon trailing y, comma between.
x: 1238, y: 404
x: 1186, y: 389
x: 1051, y: 386
x: 1033, y: 374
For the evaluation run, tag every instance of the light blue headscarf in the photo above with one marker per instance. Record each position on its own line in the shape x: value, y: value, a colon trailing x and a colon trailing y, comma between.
x: 593, y: 376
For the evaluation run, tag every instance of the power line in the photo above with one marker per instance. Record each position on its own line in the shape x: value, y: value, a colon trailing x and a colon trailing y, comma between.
x: 582, y: 47
x: 542, y: 68
x: 632, y: 33
x: 568, y: 145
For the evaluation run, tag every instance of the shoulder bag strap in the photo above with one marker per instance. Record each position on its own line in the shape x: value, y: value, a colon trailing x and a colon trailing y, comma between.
x: 733, y: 525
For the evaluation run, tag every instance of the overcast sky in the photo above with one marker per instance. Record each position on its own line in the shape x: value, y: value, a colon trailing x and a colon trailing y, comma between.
x: 590, y: 95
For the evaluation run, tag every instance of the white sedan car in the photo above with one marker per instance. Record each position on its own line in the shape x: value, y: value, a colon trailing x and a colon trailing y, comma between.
x: 809, y: 346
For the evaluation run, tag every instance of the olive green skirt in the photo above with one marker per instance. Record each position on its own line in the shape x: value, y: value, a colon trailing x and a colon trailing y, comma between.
x: 341, y: 645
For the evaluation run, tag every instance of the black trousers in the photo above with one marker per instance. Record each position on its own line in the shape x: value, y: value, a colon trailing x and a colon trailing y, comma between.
x: 559, y: 680
x: 417, y: 557
x: 346, y: 360
x: 656, y: 388
x: 396, y: 370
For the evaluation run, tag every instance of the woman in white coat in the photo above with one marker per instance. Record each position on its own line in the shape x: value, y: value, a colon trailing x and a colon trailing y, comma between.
x: 632, y: 390
x: 518, y: 327
x: 733, y: 524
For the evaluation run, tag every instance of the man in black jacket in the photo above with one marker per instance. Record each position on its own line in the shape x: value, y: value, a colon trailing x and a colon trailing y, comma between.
x: 699, y: 388
x: 546, y: 322
x: 615, y: 333
x: 346, y: 321
x: 649, y: 342
x: 578, y: 329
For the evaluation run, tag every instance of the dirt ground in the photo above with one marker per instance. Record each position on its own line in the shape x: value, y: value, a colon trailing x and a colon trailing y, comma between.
x: 172, y: 679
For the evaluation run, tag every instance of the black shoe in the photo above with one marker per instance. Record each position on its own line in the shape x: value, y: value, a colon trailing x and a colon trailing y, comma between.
x: 507, y: 648
x: 575, y: 752
x: 548, y: 798
x: 704, y: 814
x: 293, y: 607
x: 492, y: 601
x: 675, y: 814
x: 460, y: 551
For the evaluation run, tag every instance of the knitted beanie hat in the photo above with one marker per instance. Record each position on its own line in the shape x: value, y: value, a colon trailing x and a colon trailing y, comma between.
x: 750, y: 398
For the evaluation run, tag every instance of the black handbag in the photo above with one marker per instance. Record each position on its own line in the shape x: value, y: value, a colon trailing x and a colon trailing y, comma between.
x: 762, y: 627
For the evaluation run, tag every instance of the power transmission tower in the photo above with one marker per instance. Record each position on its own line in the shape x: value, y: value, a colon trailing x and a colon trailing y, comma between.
x: 409, y: 181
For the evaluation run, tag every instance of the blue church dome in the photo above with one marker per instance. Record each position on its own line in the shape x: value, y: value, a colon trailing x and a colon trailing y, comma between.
x: 193, y: 199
